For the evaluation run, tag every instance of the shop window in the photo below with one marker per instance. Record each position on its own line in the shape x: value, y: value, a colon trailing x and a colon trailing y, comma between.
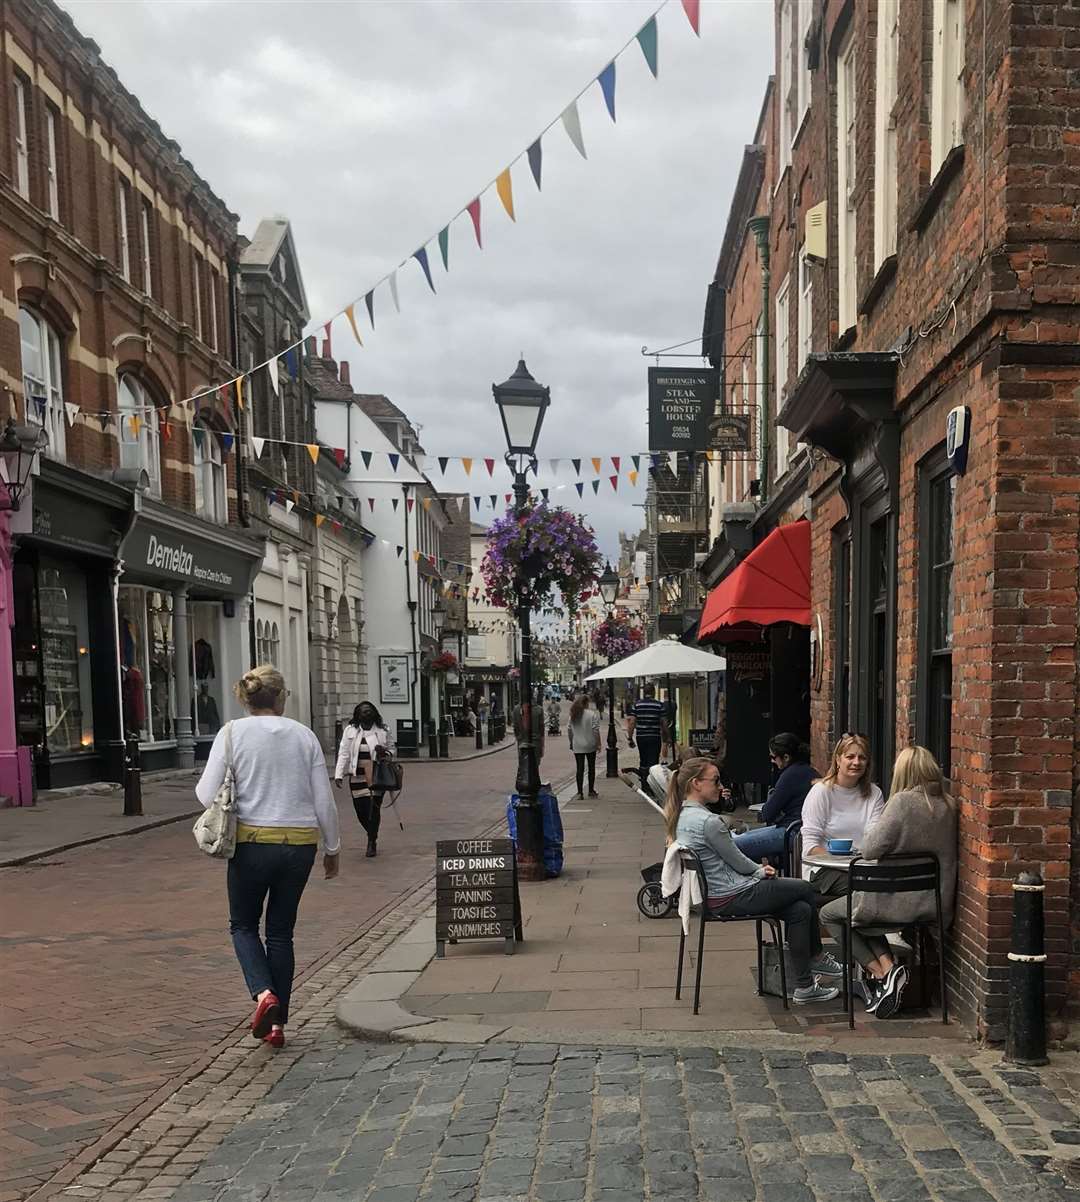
x: 42, y: 376
x: 139, y: 435
x: 147, y: 662
x: 937, y: 494
x: 210, y: 501
x: 65, y: 658
x: 205, y: 648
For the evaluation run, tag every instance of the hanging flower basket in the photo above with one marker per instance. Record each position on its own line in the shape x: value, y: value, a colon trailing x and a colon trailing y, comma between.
x: 546, y: 555
x: 616, y: 638
x: 446, y: 662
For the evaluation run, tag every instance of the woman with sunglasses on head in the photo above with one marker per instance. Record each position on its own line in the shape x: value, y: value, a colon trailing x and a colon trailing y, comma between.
x: 919, y: 816
x: 737, y: 886
x: 364, y: 742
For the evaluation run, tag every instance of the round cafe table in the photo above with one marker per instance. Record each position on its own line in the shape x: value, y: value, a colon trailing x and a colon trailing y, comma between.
x: 826, y: 859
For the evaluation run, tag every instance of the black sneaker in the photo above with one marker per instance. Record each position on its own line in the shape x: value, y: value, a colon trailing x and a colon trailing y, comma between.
x: 892, y: 990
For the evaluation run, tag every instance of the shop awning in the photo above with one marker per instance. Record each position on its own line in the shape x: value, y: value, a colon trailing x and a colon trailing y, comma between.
x: 772, y: 584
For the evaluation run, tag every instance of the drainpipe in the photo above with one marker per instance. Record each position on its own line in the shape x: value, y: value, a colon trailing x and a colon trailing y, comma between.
x: 759, y: 227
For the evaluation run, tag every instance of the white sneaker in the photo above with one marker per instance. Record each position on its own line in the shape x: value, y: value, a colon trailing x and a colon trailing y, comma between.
x: 814, y: 993
x: 826, y: 965
x: 891, y: 992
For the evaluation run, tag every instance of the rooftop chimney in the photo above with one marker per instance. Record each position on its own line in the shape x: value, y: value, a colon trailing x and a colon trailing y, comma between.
x: 326, y: 350
x: 345, y: 372
x: 312, y: 347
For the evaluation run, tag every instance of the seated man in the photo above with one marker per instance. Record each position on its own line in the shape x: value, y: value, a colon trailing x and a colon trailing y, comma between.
x: 784, y: 805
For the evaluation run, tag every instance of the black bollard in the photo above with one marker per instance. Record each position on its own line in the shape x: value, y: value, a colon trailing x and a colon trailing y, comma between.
x: 444, y: 741
x: 1026, y: 1040
x: 132, y: 778
x: 479, y: 735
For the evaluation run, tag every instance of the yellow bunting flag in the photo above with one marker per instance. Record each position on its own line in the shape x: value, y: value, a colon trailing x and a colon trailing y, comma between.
x: 135, y: 423
x: 633, y: 477
x: 352, y: 322
x: 319, y: 519
x: 416, y: 556
x: 296, y: 496
x: 596, y: 466
x: 467, y: 465
x: 313, y: 451
x: 505, y: 189
x: 239, y: 382
x: 426, y: 502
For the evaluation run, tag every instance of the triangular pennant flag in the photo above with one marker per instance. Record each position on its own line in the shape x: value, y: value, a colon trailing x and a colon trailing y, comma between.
x: 596, y: 465
x: 290, y: 506
x: 335, y: 525
x: 505, y: 188
x: 544, y: 493
x: 596, y: 486
x: 555, y: 466
x: 673, y: 462
x: 227, y: 442
x: 536, y: 159
x: 296, y: 496
x: 473, y: 209
x: 371, y: 504
x: 393, y: 290
x: 313, y: 451
x: 615, y: 461
x: 692, y: 8
x: 633, y: 478
x: 443, y: 461
x: 271, y: 371
x: 580, y: 488
x: 72, y: 411
x: 416, y: 556
x: 572, y: 124
x: 426, y: 502
x: 636, y: 461
x: 292, y: 364
x: 431, y: 560
x: 356, y: 503
x: 350, y: 313
x: 614, y: 482
x: 409, y: 503
x: 369, y: 304
x: 166, y: 431
x: 444, y: 247
x: 421, y: 257
x: 366, y: 457
x: 393, y: 459
x: 646, y: 37
x: 462, y: 501
x: 239, y: 385
x: 104, y: 418
x: 467, y: 465
x: 400, y: 551
x: 395, y: 501
x: 494, y: 498
x: 490, y: 465
x: 319, y: 519
x: 606, y: 80
x: 339, y: 456
x: 577, y: 466
x: 135, y: 424
x: 508, y: 496
x: 477, y: 502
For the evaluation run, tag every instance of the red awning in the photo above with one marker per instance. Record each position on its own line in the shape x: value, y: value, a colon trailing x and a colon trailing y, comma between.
x: 772, y: 584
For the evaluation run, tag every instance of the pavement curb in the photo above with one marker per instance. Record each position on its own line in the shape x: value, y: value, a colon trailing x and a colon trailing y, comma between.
x: 29, y: 858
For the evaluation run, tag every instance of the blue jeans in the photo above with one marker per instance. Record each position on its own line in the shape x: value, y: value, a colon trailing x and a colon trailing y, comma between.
x: 764, y: 841
x: 274, y: 873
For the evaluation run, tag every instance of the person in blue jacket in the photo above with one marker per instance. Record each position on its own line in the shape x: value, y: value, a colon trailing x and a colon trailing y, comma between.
x: 795, y: 774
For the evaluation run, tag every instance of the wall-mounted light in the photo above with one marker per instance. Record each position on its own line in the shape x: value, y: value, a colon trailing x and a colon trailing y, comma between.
x: 19, y: 447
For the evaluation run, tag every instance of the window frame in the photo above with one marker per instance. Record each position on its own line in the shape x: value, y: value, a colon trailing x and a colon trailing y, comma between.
x: 805, y: 320
x: 145, y: 235
x: 123, y: 212
x: 22, y: 134
x: 148, y: 440
x: 211, y: 277
x: 886, y: 181
x: 208, y: 461
x: 846, y: 169
x: 785, y: 83
x: 196, y: 290
x: 803, y: 23
x: 947, y: 81
x: 51, y: 353
x: 782, y: 343
x: 52, y: 163
x: 842, y: 560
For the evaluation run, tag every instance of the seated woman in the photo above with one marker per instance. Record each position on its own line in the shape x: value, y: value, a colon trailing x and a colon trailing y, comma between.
x: 738, y: 886
x: 842, y: 805
x: 791, y: 758
x: 920, y: 816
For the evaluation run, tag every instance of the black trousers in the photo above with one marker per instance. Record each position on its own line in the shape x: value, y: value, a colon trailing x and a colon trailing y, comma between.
x: 586, y: 758
x: 648, y: 753
x: 368, y: 806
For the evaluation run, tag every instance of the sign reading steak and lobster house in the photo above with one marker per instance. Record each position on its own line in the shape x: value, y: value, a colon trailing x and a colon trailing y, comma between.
x: 682, y: 401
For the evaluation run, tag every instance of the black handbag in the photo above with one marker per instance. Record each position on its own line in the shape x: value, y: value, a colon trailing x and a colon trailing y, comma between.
x: 386, y: 774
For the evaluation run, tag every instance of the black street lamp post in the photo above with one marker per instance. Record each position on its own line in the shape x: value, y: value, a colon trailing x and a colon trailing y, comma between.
x: 522, y: 403
x: 609, y: 591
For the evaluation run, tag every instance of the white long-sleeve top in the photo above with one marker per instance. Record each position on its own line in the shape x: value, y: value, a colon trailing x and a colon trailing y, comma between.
x: 280, y: 776
x: 836, y: 812
x: 355, y: 737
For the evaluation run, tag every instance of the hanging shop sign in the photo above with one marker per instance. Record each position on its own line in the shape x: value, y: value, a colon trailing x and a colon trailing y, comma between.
x: 154, y: 551
x: 476, y: 892
x: 730, y: 432
x: 682, y: 401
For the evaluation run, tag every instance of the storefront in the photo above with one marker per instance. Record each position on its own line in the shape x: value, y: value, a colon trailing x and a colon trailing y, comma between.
x: 182, y: 612
x: 66, y: 691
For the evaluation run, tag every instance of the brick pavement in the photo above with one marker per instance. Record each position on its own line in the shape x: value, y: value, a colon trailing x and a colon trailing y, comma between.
x: 119, y: 977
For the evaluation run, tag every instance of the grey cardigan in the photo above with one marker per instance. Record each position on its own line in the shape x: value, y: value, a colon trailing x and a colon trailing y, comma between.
x: 907, y: 825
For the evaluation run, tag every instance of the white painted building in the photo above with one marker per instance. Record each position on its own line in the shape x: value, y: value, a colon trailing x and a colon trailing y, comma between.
x: 491, y: 650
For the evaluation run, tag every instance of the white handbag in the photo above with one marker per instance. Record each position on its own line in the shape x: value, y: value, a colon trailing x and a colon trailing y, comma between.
x: 215, y: 829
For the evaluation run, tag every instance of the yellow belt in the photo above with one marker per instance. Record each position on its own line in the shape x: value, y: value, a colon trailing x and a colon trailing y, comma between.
x: 276, y: 834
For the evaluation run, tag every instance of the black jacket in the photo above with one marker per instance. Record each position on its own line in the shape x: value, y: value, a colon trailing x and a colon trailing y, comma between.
x: 784, y: 803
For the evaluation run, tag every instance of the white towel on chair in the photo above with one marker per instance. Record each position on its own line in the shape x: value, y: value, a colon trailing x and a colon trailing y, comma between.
x: 673, y: 879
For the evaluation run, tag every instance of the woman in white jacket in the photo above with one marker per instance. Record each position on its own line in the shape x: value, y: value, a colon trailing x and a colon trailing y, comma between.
x: 364, y: 741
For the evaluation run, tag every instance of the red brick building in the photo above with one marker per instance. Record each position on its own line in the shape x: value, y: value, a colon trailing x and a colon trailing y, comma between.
x: 922, y: 165
x: 116, y: 274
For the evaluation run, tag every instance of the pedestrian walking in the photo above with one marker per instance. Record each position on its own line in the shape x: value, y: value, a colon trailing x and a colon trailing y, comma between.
x: 647, y: 724
x: 516, y: 718
x: 737, y: 886
x: 283, y: 803
x: 364, y: 742
x: 483, y: 708
x: 584, y: 730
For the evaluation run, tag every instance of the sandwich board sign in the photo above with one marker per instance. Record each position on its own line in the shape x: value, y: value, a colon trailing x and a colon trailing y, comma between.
x: 476, y: 893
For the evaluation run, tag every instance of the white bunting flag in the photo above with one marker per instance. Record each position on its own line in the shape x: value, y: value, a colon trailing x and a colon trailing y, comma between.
x: 673, y: 462
x: 290, y: 506
x: 271, y: 368
x: 393, y: 290
x: 572, y: 124
x: 72, y: 411
x: 257, y: 445
x: 461, y: 503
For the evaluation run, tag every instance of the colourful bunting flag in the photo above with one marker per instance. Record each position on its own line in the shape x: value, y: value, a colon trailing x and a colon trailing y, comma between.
x: 371, y: 504
x: 239, y: 382
x: 393, y: 290
x: 490, y: 465
x: 350, y: 313
x: 596, y: 465
x: 554, y: 466
x: 166, y: 431
x: 426, y: 502
x: 646, y: 37
x: 633, y: 479
x: 395, y: 501
x: 606, y: 79
x: 443, y: 461
x: 393, y: 457
x: 505, y: 188
x: 673, y: 462
x: 444, y: 247
x: 636, y: 461
x: 467, y: 465
x: 494, y: 498
x: 572, y: 124
x: 400, y: 551
x: 319, y: 519
x: 476, y: 500
x: 580, y: 488
x: 577, y: 466
x: 409, y: 503
x: 290, y: 506
x: 421, y: 257
x: 227, y: 442
x: 271, y: 371
x: 335, y: 525
x: 313, y: 450
x: 614, y: 483
x: 615, y: 461
x: 692, y: 8
x: 369, y: 304
x: 473, y: 209
x: 595, y: 487
x: 292, y: 364
x: 72, y: 411
x: 536, y: 159
x: 339, y: 456
x: 544, y: 493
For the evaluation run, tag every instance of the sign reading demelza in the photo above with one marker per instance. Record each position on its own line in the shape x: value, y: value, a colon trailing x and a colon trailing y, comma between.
x: 681, y: 404
x: 157, y: 551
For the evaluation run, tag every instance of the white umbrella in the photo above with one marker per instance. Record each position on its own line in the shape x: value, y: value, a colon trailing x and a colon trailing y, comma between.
x: 667, y: 657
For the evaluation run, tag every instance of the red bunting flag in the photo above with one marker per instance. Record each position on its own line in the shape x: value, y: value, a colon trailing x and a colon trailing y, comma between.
x: 614, y: 482
x: 692, y: 8
x: 371, y: 503
x: 615, y: 461
x: 490, y: 465
x: 508, y: 497
x: 473, y: 209
x: 339, y: 455
x: 409, y: 503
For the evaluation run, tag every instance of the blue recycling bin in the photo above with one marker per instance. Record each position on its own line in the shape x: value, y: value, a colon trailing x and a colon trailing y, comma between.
x: 553, y: 830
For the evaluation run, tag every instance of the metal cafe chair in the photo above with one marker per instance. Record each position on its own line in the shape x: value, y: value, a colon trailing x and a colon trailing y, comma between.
x: 793, y: 849
x: 691, y: 863
x: 915, y: 872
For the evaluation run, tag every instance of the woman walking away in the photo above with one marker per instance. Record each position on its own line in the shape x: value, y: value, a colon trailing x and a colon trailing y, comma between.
x: 283, y: 802
x: 364, y: 741
x: 584, y: 742
x: 919, y: 817
x: 791, y: 759
x: 738, y: 886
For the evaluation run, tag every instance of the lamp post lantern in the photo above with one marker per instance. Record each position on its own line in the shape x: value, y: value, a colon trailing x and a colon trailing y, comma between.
x: 609, y: 591
x: 522, y: 404
x: 19, y: 447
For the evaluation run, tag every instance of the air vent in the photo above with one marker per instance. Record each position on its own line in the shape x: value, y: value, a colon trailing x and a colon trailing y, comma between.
x: 816, y: 236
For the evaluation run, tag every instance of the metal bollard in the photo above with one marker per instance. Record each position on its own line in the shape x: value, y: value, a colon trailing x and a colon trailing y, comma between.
x: 132, y: 778
x: 1026, y: 1040
x: 444, y: 741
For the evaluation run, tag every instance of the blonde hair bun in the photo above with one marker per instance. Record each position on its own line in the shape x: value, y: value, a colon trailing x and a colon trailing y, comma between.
x: 261, y: 688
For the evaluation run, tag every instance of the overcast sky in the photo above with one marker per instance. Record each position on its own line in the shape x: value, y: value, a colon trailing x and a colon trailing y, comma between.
x: 368, y: 125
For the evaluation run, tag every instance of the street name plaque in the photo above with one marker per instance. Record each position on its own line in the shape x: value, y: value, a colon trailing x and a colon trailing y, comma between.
x: 476, y: 892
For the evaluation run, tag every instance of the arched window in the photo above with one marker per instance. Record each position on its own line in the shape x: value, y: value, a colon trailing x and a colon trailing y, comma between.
x: 43, y: 383
x: 209, y: 474
x: 275, y: 645
x: 140, y: 445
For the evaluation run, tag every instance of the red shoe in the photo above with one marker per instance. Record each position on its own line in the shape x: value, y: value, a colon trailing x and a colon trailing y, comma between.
x: 267, y: 1012
x: 276, y: 1038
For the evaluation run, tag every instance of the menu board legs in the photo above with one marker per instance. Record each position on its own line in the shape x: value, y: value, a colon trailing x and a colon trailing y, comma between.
x: 476, y: 893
